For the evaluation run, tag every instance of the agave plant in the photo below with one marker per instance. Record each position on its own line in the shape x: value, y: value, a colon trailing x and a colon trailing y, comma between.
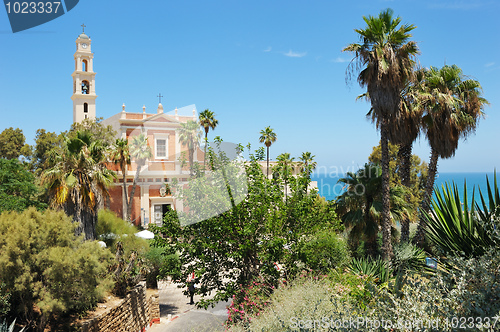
x: 459, y: 228
x: 5, y: 327
x: 377, y: 269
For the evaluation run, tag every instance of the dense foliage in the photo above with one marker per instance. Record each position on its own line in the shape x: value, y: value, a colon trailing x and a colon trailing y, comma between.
x: 18, y: 190
x: 47, y: 269
x: 229, y: 238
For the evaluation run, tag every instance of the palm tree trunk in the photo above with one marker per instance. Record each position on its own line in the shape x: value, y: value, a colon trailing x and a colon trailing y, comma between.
x: 268, y: 162
x: 132, y: 192
x: 425, y: 204
x: 125, y: 202
x: 405, y: 157
x: 386, y: 209
x: 205, y: 152
x: 191, y: 161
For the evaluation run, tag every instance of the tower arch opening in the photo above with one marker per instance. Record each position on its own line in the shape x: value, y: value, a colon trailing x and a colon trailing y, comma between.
x: 85, y: 87
x: 84, y: 65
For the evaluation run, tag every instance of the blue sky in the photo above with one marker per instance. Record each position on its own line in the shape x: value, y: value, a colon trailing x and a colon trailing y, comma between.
x: 253, y: 63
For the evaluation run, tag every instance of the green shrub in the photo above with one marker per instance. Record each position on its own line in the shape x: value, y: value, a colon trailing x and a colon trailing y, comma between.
x: 112, y: 229
x: 49, y: 271
x: 307, y: 304
x: 248, y: 302
x: 4, y: 300
x: 323, y: 251
x: 158, y: 263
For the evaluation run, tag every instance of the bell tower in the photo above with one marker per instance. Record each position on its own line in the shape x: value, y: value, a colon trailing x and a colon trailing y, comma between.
x: 83, y: 80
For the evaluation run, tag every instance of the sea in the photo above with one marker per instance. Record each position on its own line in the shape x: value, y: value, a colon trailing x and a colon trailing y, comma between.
x: 329, y: 187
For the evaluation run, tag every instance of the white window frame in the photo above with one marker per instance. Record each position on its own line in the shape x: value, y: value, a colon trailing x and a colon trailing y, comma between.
x: 161, y: 137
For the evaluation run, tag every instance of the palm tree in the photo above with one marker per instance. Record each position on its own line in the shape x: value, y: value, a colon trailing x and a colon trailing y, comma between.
x: 268, y: 137
x: 453, y: 105
x: 190, y: 135
x: 307, y: 163
x: 284, y: 167
x: 404, y: 130
x: 360, y: 206
x: 78, y: 180
x: 207, y: 121
x: 385, y: 63
x: 140, y: 152
x: 121, y: 157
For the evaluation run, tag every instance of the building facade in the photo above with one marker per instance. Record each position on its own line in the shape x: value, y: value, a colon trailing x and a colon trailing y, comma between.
x: 152, y: 198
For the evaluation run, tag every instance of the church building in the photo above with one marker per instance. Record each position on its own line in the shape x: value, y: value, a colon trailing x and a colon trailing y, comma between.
x: 152, y: 198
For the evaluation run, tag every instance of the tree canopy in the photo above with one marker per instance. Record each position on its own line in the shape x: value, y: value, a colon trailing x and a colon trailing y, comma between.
x: 12, y: 144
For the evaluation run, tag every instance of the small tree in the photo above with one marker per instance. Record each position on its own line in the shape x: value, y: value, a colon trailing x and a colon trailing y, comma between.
x: 237, y: 226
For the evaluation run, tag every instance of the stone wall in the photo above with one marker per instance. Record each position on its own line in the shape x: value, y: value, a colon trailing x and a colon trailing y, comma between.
x: 137, y: 311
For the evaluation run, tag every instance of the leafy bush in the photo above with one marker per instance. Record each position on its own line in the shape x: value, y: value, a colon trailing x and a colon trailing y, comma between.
x: 160, y: 263
x: 112, y: 229
x: 248, y: 302
x: 304, y: 305
x: 4, y: 300
x: 323, y: 251
x: 49, y: 270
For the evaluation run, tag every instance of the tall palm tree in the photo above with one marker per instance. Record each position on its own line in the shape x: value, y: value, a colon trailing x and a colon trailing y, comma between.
x: 405, y: 127
x: 78, y: 180
x: 268, y: 137
x: 190, y: 135
x: 385, y: 61
x: 121, y: 157
x: 140, y: 152
x: 453, y: 106
x: 207, y: 121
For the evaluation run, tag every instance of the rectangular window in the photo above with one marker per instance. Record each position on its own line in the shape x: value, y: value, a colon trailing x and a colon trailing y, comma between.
x: 161, y: 148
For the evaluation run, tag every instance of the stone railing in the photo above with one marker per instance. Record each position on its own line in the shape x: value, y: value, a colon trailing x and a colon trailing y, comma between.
x: 134, y: 313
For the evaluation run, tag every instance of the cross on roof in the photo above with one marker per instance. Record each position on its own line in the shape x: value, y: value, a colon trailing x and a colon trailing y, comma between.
x: 83, y: 27
x: 159, y: 96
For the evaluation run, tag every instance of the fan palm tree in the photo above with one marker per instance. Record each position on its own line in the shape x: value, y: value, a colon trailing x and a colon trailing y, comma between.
x: 284, y: 168
x: 385, y: 61
x: 453, y: 106
x: 307, y: 163
x: 190, y: 135
x: 360, y: 206
x: 140, y: 152
x: 268, y: 137
x: 207, y: 121
x: 121, y: 157
x: 78, y: 180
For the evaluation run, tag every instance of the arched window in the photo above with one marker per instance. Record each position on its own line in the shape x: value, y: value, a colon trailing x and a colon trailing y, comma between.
x: 84, y: 65
x: 85, y: 108
x: 85, y: 87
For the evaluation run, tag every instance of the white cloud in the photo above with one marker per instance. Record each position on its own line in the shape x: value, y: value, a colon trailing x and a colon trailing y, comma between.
x: 295, y: 54
x: 340, y: 60
x: 489, y: 64
x: 268, y: 49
